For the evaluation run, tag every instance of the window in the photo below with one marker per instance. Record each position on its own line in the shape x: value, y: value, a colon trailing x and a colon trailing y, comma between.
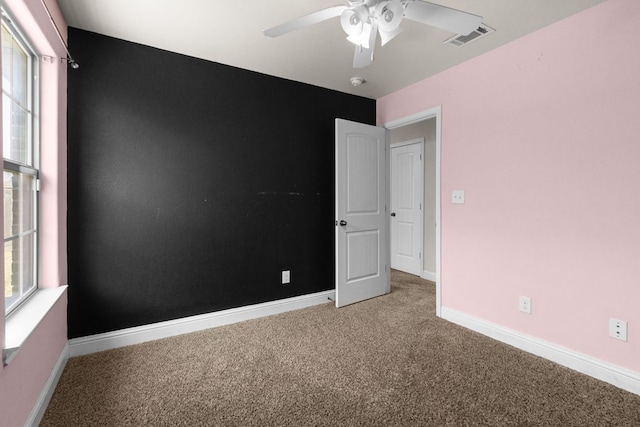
x: 20, y: 174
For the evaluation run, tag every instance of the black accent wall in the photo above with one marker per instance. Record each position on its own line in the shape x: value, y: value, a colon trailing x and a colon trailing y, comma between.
x: 192, y: 185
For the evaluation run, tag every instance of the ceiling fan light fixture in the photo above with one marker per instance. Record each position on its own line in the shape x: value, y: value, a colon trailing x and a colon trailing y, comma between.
x: 351, y: 23
x: 355, y: 22
x: 389, y: 15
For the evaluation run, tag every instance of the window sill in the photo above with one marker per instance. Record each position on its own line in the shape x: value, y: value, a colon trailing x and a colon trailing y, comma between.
x: 25, y: 319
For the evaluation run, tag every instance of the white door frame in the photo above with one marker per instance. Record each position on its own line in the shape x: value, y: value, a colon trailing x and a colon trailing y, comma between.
x: 436, y: 113
x: 417, y: 141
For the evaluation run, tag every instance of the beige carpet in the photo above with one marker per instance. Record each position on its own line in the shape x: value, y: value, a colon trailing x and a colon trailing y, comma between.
x: 384, y: 362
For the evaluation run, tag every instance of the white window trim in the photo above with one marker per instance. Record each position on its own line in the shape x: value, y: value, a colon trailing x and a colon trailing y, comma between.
x: 21, y: 323
x: 34, y: 166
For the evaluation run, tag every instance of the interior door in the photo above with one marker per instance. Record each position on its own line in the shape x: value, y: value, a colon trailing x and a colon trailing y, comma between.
x: 407, y: 179
x: 361, y: 221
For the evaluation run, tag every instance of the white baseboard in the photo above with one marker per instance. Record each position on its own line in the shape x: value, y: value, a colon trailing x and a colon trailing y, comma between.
x: 47, y: 391
x: 612, y: 374
x: 140, y: 334
x: 428, y: 275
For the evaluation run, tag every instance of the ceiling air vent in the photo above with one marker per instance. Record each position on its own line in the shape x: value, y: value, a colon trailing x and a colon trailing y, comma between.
x: 460, y: 40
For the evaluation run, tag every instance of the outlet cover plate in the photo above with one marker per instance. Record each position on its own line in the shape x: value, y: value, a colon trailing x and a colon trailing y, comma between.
x: 457, y: 196
x: 286, y: 277
x: 618, y: 329
x: 525, y: 305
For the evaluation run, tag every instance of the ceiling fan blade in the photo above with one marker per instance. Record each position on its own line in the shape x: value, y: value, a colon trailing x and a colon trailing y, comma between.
x: 364, y: 55
x: 387, y: 36
x: 305, y: 21
x: 442, y: 17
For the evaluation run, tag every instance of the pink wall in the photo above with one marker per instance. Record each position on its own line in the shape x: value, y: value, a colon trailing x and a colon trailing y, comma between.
x: 542, y: 134
x: 22, y: 381
x: 58, y: 18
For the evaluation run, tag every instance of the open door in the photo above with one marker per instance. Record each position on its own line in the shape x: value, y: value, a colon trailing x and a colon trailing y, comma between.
x: 362, y: 270
x: 407, y: 182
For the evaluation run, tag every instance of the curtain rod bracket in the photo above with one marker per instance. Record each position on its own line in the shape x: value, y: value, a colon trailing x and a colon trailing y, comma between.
x: 72, y: 62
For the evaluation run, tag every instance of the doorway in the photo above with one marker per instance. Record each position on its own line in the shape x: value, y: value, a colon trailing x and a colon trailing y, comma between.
x: 407, y: 195
x: 426, y: 124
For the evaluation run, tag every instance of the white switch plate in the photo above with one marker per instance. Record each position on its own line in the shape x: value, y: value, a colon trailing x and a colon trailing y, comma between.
x: 618, y: 329
x: 457, y: 196
x: 286, y: 277
x: 525, y: 305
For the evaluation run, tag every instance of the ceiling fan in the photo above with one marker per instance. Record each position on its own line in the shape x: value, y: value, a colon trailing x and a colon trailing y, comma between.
x: 363, y: 20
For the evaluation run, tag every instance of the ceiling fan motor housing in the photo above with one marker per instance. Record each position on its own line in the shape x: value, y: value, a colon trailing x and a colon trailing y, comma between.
x: 363, y: 18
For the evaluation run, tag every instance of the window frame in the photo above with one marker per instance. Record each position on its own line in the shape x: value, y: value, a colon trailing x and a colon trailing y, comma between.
x: 33, y: 166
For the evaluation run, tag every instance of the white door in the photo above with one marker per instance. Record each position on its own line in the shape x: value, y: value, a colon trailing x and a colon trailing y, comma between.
x: 361, y: 221
x: 407, y: 178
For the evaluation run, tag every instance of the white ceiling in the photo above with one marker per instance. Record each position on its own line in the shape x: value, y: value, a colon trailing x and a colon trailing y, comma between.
x: 230, y: 32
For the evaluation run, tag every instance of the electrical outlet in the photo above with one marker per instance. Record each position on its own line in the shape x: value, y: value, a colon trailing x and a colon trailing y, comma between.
x: 286, y: 277
x: 457, y: 196
x: 525, y: 305
x: 618, y: 329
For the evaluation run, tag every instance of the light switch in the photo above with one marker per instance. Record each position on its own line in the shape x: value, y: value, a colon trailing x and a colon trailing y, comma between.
x: 457, y: 196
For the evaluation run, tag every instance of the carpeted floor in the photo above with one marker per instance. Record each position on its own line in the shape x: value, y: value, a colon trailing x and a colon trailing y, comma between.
x: 384, y: 362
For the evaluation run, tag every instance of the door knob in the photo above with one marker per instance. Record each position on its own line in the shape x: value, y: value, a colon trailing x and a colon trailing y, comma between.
x: 393, y: 214
x: 343, y: 222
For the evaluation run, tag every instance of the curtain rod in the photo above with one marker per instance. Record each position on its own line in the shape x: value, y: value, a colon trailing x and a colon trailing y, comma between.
x: 69, y: 58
